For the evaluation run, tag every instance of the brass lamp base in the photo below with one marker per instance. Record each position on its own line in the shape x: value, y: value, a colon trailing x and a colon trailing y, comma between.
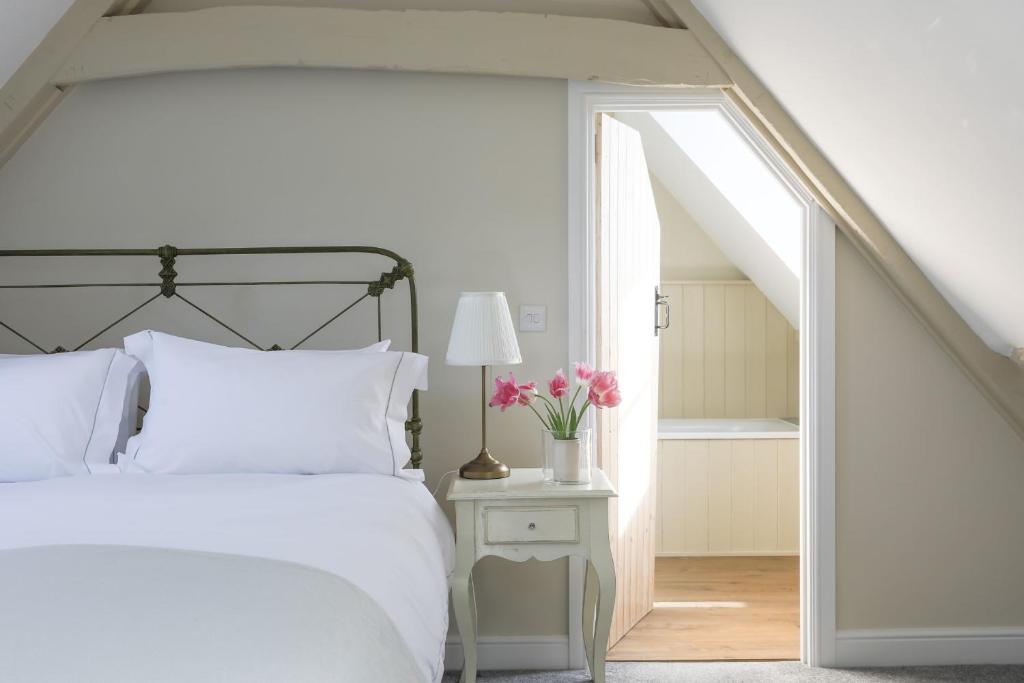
x: 484, y: 466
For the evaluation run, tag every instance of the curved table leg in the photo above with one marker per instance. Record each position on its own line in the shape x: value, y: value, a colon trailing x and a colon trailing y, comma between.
x: 604, y: 569
x: 464, y: 596
x: 464, y: 603
x: 589, y: 613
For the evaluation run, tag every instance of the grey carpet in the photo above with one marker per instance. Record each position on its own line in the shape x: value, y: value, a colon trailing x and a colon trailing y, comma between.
x: 755, y: 672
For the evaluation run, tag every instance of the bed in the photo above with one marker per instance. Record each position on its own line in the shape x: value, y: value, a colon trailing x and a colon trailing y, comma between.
x: 119, y: 575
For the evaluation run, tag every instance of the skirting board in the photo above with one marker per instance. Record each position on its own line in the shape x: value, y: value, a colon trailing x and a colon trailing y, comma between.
x: 504, y: 653
x: 929, y: 646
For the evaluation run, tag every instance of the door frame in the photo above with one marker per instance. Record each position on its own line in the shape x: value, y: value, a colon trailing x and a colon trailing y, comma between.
x: 817, y: 341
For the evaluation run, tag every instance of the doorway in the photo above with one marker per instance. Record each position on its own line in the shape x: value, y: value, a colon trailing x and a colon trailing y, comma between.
x: 794, y: 585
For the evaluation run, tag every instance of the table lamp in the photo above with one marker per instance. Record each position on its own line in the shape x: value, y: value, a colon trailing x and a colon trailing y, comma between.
x: 483, y: 335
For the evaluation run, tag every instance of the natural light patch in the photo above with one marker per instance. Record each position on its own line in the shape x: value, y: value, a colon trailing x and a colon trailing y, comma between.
x: 742, y: 176
x: 722, y: 604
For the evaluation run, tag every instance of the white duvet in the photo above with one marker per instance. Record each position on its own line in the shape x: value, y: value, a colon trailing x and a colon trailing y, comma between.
x: 385, y: 535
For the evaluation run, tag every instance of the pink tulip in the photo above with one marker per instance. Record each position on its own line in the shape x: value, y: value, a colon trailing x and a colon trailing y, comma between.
x: 506, y: 393
x: 584, y: 373
x: 558, y: 385
x: 527, y: 394
x: 604, y: 390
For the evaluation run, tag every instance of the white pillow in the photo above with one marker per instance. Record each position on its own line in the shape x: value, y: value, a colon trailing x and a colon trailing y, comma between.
x: 64, y: 413
x: 216, y: 409
x: 142, y: 346
x: 141, y: 351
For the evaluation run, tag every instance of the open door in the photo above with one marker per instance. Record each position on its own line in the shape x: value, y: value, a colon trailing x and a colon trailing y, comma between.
x: 628, y: 273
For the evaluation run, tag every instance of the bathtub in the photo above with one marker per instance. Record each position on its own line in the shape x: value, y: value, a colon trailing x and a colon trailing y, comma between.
x: 727, y: 487
x: 727, y: 428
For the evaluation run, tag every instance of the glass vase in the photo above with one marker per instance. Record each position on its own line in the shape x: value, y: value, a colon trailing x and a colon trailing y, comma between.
x: 567, y: 461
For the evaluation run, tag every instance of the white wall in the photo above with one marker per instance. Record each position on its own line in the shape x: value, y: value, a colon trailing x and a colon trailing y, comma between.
x: 929, y: 477
x: 466, y: 176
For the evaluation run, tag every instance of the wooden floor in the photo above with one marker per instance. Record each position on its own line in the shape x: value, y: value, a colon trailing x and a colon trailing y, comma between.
x: 719, y: 608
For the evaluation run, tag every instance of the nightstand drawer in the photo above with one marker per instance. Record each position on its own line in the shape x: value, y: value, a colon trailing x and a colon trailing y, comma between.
x: 511, y: 525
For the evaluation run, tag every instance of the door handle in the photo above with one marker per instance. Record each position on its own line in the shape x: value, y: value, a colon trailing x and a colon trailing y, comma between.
x: 661, y: 301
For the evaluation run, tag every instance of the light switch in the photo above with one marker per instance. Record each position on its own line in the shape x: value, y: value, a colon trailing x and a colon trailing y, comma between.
x: 533, y: 318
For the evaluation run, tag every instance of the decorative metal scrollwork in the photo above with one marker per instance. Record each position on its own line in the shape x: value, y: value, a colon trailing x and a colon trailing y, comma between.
x: 167, y: 254
x: 387, y: 280
x: 415, y: 427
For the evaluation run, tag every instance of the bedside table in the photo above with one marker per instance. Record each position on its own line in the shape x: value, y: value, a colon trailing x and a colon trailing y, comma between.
x: 521, y: 517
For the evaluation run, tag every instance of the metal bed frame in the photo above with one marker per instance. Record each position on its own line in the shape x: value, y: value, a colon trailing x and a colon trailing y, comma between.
x: 168, y: 287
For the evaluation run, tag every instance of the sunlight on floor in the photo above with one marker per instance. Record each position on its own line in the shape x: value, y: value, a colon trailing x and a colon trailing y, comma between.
x: 719, y: 608
x: 700, y: 605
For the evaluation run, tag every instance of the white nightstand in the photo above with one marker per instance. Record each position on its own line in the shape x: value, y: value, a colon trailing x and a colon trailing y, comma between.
x: 521, y: 517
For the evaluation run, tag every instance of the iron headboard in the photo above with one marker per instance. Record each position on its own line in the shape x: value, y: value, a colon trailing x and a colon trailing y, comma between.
x: 168, y: 288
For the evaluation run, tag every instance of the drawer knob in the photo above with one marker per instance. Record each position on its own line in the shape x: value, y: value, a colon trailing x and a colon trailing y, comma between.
x: 531, y: 526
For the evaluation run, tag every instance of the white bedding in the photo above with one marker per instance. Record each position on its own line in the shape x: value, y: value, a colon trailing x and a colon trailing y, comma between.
x: 384, y: 534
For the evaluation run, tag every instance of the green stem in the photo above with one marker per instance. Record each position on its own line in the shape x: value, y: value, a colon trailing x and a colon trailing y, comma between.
x: 545, y: 399
x: 554, y: 423
x: 586, y: 404
x: 539, y: 417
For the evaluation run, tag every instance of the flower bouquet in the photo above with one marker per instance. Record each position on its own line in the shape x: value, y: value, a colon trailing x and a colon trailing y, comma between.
x: 567, y: 448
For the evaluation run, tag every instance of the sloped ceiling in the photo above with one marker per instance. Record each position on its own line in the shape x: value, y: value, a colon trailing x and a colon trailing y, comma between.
x: 23, y: 23
x: 917, y: 103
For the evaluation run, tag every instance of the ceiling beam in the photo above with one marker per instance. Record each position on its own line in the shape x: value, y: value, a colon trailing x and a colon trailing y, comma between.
x: 29, y: 95
x: 998, y: 378
x: 662, y: 13
x: 504, y: 43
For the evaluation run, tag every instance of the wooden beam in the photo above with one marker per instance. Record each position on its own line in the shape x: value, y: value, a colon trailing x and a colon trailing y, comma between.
x: 999, y: 379
x: 28, y: 96
x: 504, y: 43
x: 662, y: 13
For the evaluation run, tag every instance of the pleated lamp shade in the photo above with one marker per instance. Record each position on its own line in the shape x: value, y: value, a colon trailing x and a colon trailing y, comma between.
x: 482, y: 333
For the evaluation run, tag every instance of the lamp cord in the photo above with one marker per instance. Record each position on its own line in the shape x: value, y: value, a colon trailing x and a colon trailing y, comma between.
x: 440, y: 481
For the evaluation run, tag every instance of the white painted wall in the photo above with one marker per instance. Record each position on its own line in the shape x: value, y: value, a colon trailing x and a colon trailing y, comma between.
x: 467, y: 176
x: 23, y: 23
x: 928, y: 476
x: 916, y: 104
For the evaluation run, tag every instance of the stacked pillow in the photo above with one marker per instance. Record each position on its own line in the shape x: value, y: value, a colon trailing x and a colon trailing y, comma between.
x: 66, y: 413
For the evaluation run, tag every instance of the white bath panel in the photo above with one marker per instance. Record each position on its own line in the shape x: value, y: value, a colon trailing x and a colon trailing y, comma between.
x: 728, y: 497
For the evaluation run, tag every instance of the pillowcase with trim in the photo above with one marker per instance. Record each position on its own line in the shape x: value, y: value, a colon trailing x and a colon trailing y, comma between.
x: 217, y: 409
x: 66, y: 413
